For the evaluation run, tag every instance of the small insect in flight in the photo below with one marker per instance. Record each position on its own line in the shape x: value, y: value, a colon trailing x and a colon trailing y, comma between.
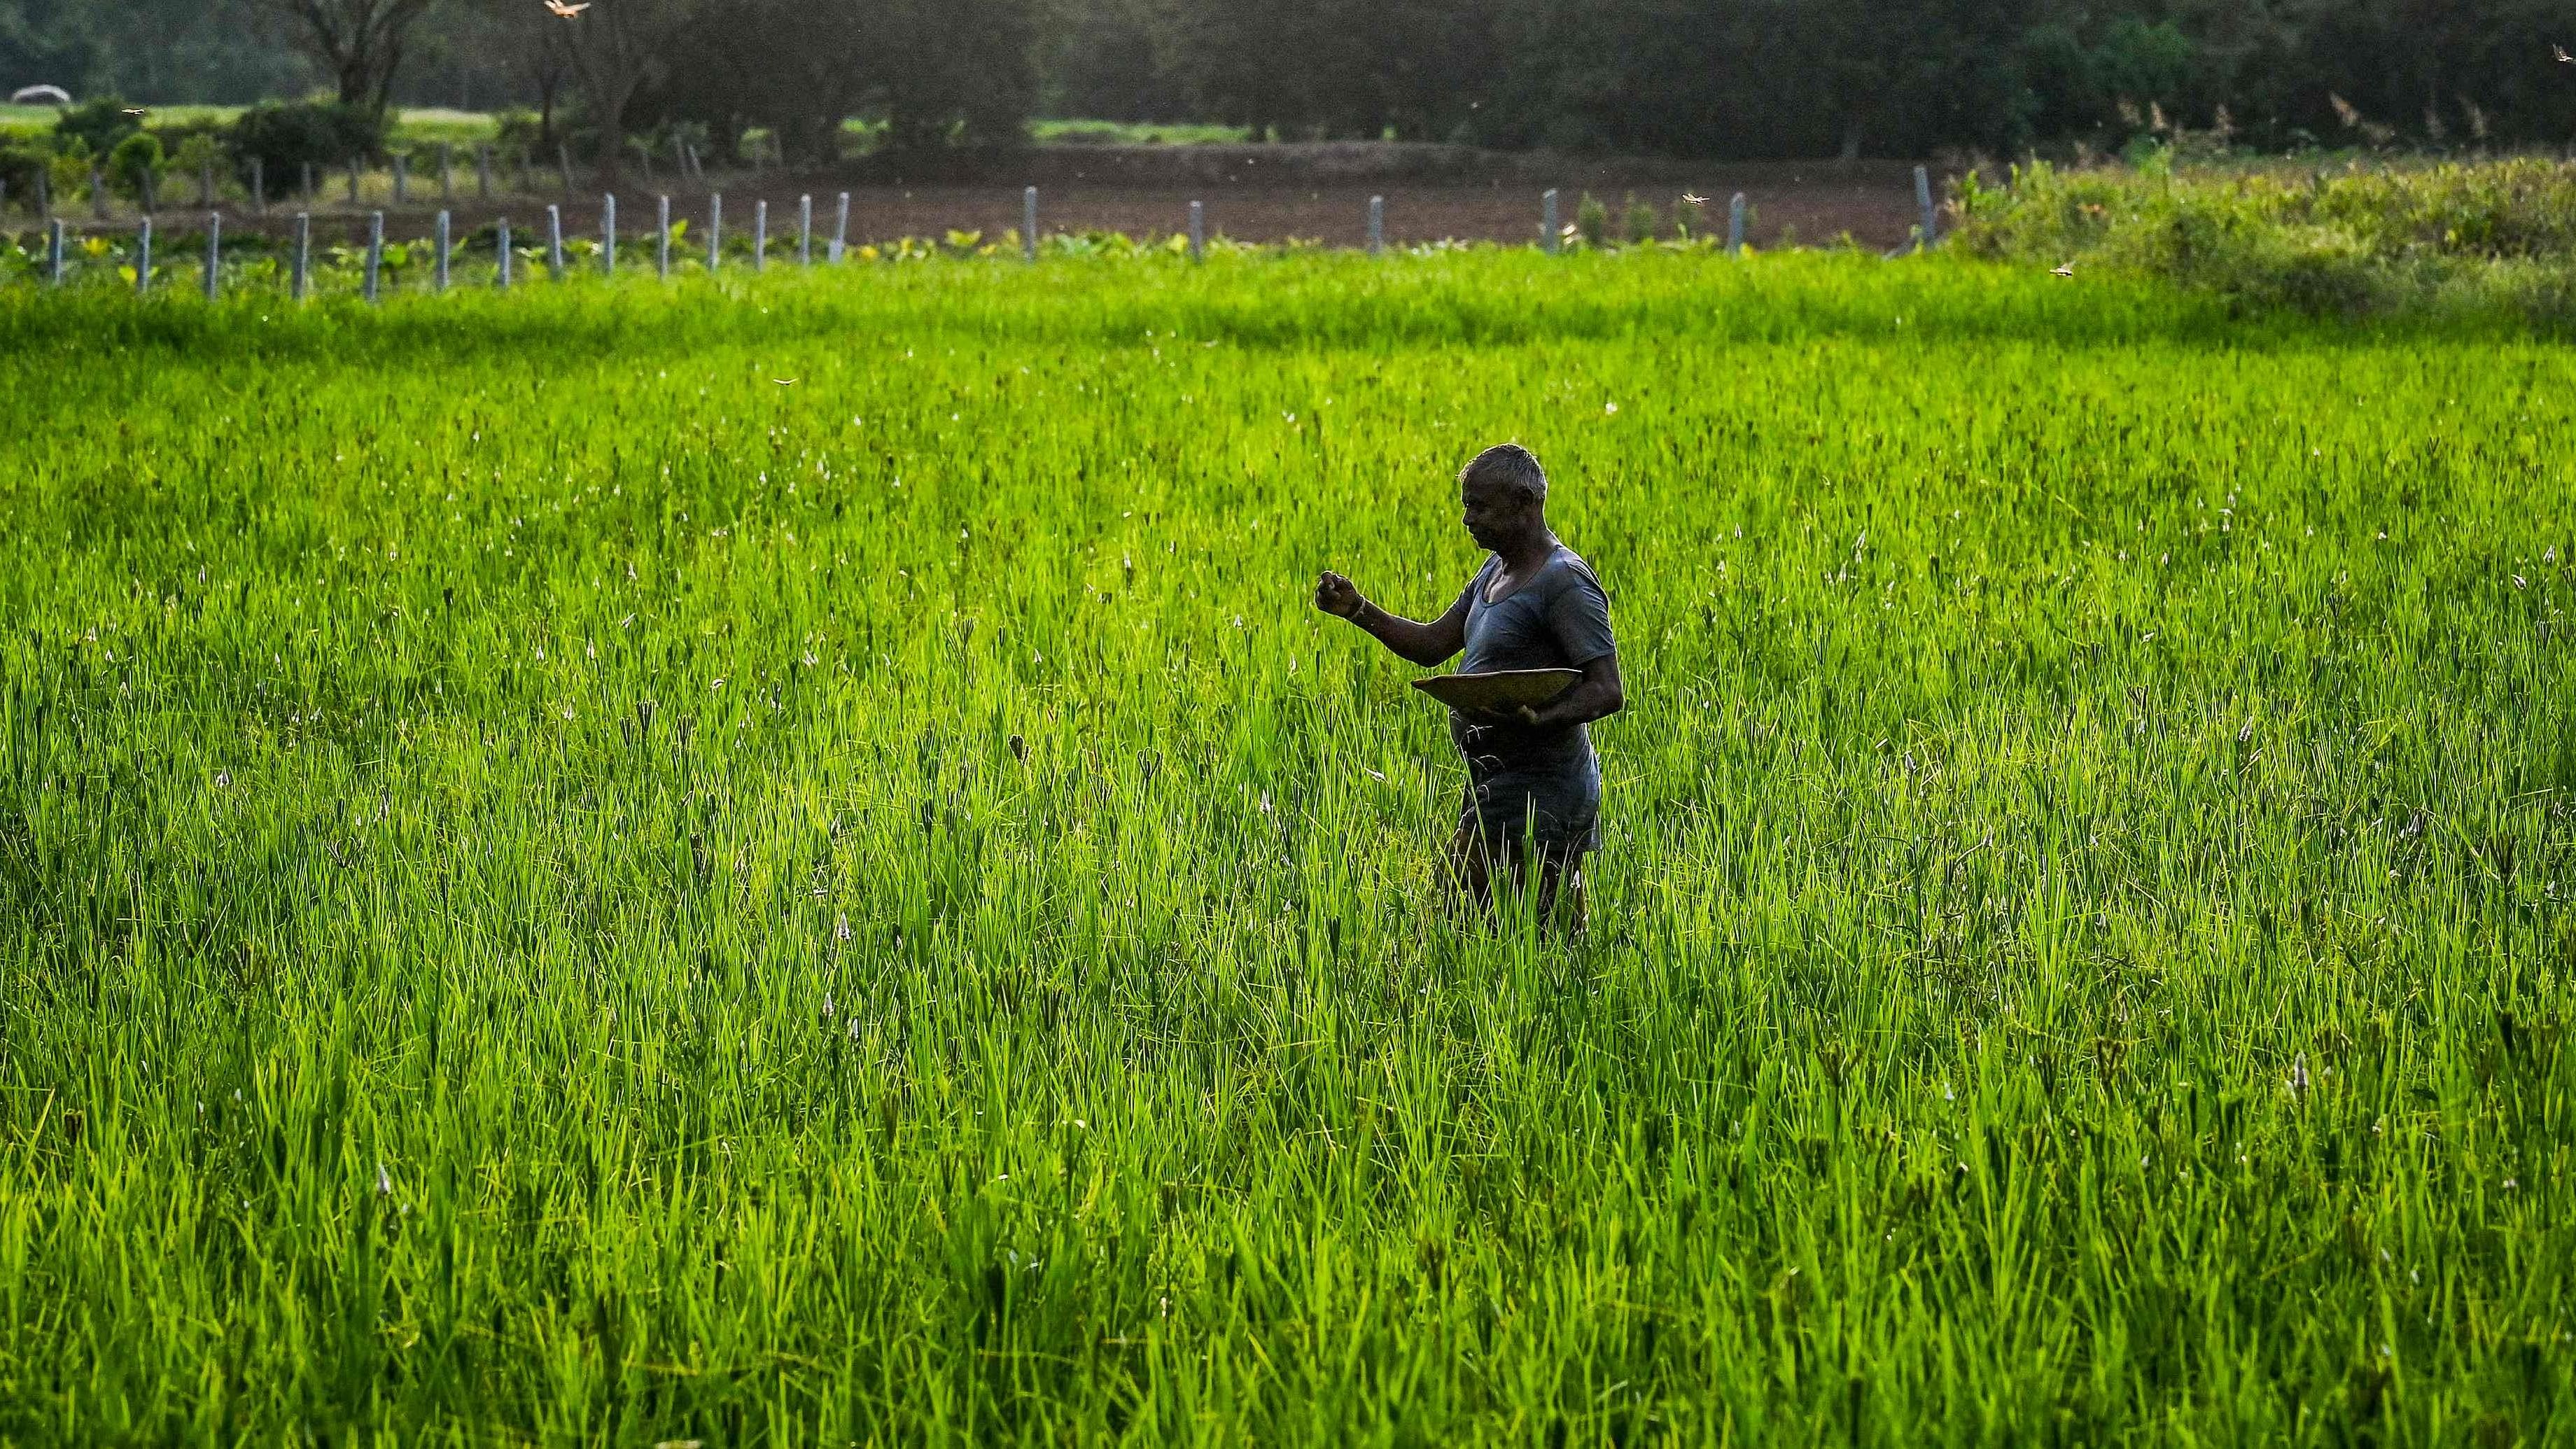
x: 784, y: 381
x: 2063, y: 269
x: 2559, y: 54
x: 558, y: 7
x: 1694, y: 200
x: 137, y: 112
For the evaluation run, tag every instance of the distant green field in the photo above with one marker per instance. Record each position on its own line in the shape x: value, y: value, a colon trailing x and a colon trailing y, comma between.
x: 438, y: 124
x: 785, y: 861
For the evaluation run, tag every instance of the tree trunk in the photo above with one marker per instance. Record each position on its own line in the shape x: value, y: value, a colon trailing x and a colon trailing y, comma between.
x: 612, y: 134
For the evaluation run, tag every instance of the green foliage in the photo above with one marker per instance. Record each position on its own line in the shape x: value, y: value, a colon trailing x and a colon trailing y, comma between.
x: 97, y: 125
x: 196, y: 150
x: 136, y: 164
x: 1638, y: 221
x: 521, y: 134
x: 322, y: 134
x: 1592, y: 221
x: 561, y: 891
x: 2347, y: 239
x: 71, y: 166
x: 20, y: 164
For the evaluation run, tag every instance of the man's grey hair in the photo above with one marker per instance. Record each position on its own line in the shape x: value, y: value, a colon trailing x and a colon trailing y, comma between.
x: 1507, y: 465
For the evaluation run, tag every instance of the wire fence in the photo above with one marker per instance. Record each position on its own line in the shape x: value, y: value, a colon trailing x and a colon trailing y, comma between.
x: 353, y: 252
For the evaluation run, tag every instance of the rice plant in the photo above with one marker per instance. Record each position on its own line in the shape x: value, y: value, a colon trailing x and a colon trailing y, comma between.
x: 786, y: 861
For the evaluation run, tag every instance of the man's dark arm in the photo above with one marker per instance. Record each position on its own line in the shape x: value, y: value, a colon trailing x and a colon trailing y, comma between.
x: 1424, y: 642
x: 1597, y: 695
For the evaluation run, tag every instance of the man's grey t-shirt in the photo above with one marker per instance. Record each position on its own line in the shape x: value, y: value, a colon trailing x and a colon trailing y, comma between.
x: 1559, y: 618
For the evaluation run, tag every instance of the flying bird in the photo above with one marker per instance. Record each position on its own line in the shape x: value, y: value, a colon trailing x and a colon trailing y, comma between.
x: 558, y: 7
x: 2066, y: 269
x: 784, y: 381
x: 1694, y: 200
x: 2559, y: 54
x: 137, y: 112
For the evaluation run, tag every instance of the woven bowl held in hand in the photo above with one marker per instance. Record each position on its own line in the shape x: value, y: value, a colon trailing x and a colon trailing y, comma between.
x: 1502, y: 689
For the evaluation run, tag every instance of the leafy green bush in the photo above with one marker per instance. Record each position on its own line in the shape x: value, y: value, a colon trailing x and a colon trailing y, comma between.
x: 1639, y: 221
x: 2331, y: 241
x: 1592, y: 220
x: 97, y: 124
x: 20, y: 164
x: 287, y: 138
x: 135, y: 164
x: 519, y: 132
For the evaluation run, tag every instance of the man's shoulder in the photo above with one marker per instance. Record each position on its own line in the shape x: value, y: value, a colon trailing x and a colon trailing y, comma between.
x: 1568, y: 570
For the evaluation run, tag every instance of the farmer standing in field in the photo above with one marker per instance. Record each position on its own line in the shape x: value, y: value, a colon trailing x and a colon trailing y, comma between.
x: 1533, y: 783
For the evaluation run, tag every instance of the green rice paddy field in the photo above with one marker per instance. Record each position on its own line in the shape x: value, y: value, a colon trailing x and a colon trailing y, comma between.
x: 785, y: 861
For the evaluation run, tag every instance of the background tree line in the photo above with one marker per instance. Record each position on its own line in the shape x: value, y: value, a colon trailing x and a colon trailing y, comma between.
x: 1715, y: 78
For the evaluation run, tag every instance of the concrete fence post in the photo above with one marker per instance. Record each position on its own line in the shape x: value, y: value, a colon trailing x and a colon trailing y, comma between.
x: 715, y: 230
x: 608, y: 235
x: 1198, y: 231
x: 1547, y: 233
x: 402, y: 177
x: 1735, y: 226
x: 760, y: 236
x: 501, y: 254
x: 805, y: 231
x: 54, y: 252
x: 439, y: 283
x: 554, y: 243
x: 214, y: 254
x: 1028, y: 223
x: 840, y: 229
x: 1376, y: 225
x: 300, y: 280
x: 143, y: 258
x: 662, y: 238
x: 1923, y: 204
x: 375, y: 254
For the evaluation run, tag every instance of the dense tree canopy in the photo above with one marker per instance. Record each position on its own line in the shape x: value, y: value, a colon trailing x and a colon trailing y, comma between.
x: 1742, y: 78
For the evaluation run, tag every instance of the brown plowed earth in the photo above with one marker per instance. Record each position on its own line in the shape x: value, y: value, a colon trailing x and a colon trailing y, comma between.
x: 1251, y: 193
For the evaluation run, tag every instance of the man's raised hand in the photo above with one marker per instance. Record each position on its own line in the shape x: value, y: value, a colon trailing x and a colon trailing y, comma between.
x: 1337, y: 596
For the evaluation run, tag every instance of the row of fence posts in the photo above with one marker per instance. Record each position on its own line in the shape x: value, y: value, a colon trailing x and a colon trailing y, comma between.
x: 302, y: 270
x: 1549, y: 232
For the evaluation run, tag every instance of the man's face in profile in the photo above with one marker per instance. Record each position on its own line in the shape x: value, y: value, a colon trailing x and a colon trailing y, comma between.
x: 1494, y: 515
